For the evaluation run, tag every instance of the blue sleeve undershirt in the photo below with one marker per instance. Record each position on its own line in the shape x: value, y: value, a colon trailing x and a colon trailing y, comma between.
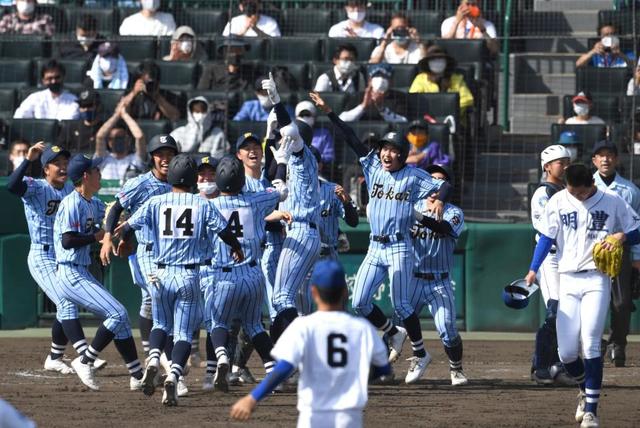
x: 542, y: 249
x: 280, y: 373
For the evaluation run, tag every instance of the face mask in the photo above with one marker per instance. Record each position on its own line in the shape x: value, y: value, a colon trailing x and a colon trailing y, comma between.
x: 118, y: 145
x: 581, y: 109
x: 56, y: 88
x: 84, y: 41
x: 25, y: 8
x: 186, y: 46
x: 438, y: 66
x: 346, y: 66
x: 265, y: 102
x: 17, y: 161
x: 198, y: 117
x: 150, y: 4
x: 379, y: 84
x: 88, y: 115
x: 208, y: 187
x: 417, y: 141
x: 108, y: 65
x: 357, y: 15
x: 309, y: 120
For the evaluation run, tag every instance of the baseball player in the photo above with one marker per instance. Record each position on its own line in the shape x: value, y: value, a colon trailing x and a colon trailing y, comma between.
x: 577, y: 218
x: 605, y: 159
x: 553, y: 159
x: 333, y: 352
x: 180, y: 224
x: 393, y: 191
x: 434, y: 244
x: 74, y: 230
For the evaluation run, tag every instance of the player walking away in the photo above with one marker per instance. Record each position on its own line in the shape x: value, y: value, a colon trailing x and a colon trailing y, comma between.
x: 577, y: 218
x: 179, y: 223
x: 605, y: 158
x: 554, y: 160
x: 393, y: 190
x: 74, y: 231
x: 41, y: 198
x: 333, y: 352
x: 434, y: 243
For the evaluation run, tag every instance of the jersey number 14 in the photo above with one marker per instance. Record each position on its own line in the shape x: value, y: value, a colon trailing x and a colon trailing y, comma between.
x: 178, y: 222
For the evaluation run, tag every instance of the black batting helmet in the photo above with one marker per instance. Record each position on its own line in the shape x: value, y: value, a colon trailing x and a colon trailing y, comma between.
x: 230, y: 174
x: 160, y: 142
x: 305, y: 131
x: 397, y: 140
x: 183, y: 171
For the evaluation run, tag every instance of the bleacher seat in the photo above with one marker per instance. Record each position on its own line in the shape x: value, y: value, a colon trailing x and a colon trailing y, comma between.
x: 307, y: 21
x: 24, y: 92
x: 137, y: 48
x: 26, y: 47
x: 606, y: 107
x: 403, y: 75
x: 295, y: 49
x: 104, y: 17
x: 427, y: 22
x: 33, y: 130
x: 438, y: 105
x: 56, y: 13
x: 630, y: 105
x: 109, y: 98
x: 465, y: 51
x: 336, y: 100
x: 622, y: 19
x: 298, y: 70
x: 16, y: 73
x: 178, y: 75
x: 151, y: 128
x: 587, y: 136
x: 75, y: 70
x: 602, y: 81
x: 203, y: 21
x: 7, y: 102
x: 363, y: 46
x: 380, y: 17
x: 235, y: 129
x: 231, y: 98
x: 257, y: 48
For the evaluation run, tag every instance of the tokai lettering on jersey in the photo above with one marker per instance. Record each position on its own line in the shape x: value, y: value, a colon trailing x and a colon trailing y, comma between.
x: 390, y: 194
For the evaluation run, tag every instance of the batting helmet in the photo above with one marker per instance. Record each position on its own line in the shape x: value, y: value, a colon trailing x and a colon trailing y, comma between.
x: 230, y: 174
x: 305, y: 131
x: 160, y: 142
x: 183, y: 171
x: 552, y: 153
x: 397, y: 140
x: 516, y: 295
x: 443, y: 169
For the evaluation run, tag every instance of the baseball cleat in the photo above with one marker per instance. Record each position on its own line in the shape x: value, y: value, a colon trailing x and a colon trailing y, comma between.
x: 417, y: 367
x: 149, y: 380
x: 220, y: 382
x: 170, y: 396
x: 165, y: 363
x: 616, y: 354
x: 182, y: 389
x: 590, y: 421
x: 395, y: 343
x: 57, y: 366
x: 560, y: 375
x: 458, y: 378
x: 582, y: 402
x: 135, y: 384
x: 99, y: 364
x: 542, y: 377
x: 85, y: 373
x: 207, y: 383
x: 245, y: 376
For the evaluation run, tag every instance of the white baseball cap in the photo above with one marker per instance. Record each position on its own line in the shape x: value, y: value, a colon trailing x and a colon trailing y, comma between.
x: 306, y: 105
x: 552, y: 153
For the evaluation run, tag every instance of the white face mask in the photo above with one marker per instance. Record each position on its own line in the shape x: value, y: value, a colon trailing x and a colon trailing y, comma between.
x: 198, y: 117
x: 581, y: 109
x: 265, y: 102
x: 438, y: 65
x: 150, y: 4
x: 379, y: 84
x: 17, y: 161
x: 84, y: 41
x: 186, y: 46
x: 309, y: 120
x: 207, y: 187
x: 25, y: 7
x: 108, y: 65
x: 346, y: 66
x: 357, y: 15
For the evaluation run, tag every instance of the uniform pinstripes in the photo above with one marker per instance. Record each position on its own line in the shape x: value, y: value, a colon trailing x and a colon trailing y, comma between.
x: 439, y: 298
x: 42, y: 266
x: 331, y: 209
x: 207, y: 285
x: 304, y: 195
x: 41, y: 201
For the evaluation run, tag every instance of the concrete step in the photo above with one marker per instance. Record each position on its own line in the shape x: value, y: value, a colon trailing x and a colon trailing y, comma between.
x: 536, y: 105
x: 546, y: 63
x: 561, y: 5
x: 530, y: 144
x: 581, y: 20
x: 495, y: 196
x: 508, y: 166
x: 542, y: 73
x: 529, y: 124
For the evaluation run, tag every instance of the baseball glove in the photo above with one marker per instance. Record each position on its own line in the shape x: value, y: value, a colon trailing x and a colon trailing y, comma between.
x: 608, y: 262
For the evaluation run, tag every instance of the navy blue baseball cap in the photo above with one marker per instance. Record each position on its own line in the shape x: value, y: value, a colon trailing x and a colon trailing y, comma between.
x: 604, y: 145
x: 51, y: 153
x: 79, y: 164
x: 328, y: 274
x: 207, y: 161
x: 246, y: 138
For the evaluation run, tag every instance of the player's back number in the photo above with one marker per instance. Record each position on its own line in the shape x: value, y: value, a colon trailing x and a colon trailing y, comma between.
x: 177, y: 222
x: 336, y: 353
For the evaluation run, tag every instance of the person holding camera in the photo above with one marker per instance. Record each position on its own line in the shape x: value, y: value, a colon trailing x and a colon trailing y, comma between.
x: 401, y: 43
x: 468, y: 23
x: 606, y: 52
x: 251, y: 23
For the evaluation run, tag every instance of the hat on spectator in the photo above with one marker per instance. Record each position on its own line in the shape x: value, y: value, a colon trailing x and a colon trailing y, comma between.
x: 51, y: 153
x: 568, y: 138
x: 384, y: 70
x: 357, y: 3
x: 433, y: 52
x: 306, y: 106
x: 604, y: 145
x: 418, y: 123
x: 233, y: 42
x: 88, y: 98
x: 183, y: 30
x: 582, y: 97
x: 245, y: 138
x: 108, y: 49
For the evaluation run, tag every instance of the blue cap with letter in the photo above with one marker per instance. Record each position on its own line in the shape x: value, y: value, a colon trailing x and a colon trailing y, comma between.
x: 328, y: 274
x: 51, y: 153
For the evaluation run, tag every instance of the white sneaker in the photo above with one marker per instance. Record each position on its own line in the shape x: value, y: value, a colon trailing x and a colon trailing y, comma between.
x: 417, y: 367
x: 207, y: 383
x: 85, y: 373
x: 458, y: 378
x: 182, y: 387
x: 589, y: 420
x: 136, y: 384
x: 582, y: 402
x: 395, y: 343
x: 170, y: 396
x: 151, y: 373
x: 220, y: 380
x: 57, y: 366
x: 99, y: 364
x: 165, y: 363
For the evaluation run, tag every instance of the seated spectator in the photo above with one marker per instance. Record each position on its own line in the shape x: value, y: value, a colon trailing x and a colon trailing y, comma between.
x: 25, y: 20
x: 355, y: 25
x: 468, y: 23
x: 345, y: 75
x: 145, y: 99
x: 229, y: 74
x: 401, y: 43
x: 251, y: 23
x: 201, y: 134
x: 109, y: 69
x: 258, y: 110
x: 322, y: 139
x: 148, y: 22
x: 17, y: 153
x: 606, y: 51
x: 113, y: 143
x: 436, y: 75
x: 424, y: 152
x: 79, y: 136
x: 53, y: 102
x: 633, y: 87
x: 582, y: 104
x: 85, y: 45
x: 184, y: 46
x: 569, y: 139
x: 378, y: 101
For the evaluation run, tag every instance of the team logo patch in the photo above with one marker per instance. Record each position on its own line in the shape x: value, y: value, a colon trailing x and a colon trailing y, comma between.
x: 205, y: 159
x: 598, y: 220
x: 163, y: 139
x: 55, y: 149
x: 87, y: 157
x: 247, y: 134
x: 455, y: 220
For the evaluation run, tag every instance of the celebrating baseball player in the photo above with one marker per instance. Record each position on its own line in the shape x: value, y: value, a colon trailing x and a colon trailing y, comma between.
x: 74, y: 230
x: 588, y: 227
x: 333, y: 352
x: 393, y: 189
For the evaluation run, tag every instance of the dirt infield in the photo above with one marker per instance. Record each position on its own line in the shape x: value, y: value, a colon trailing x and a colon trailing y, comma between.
x: 499, y: 395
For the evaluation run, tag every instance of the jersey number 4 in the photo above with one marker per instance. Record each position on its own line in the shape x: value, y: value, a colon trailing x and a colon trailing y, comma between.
x: 336, y: 355
x: 178, y: 222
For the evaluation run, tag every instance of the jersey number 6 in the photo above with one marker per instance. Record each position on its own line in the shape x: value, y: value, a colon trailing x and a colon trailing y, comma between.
x: 336, y: 356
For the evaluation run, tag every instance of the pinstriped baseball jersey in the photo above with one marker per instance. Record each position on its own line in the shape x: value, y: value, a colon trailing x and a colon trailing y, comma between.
x: 41, y: 201
x: 392, y: 195
x: 434, y: 251
x: 178, y: 224
x: 76, y: 214
x: 255, y: 185
x: 245, y: 214
x: 136, y: 192
x: 331, y: 209
x: 304, y: 197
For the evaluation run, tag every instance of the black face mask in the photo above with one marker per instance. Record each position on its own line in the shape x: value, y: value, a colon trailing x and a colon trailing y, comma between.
x: 55, y: 87
x: 118, y: 145
x: 234, y: 59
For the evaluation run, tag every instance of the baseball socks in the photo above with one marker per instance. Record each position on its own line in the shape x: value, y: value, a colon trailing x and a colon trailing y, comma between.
x: 412, y: 324
x: 127, y: 348
x: 146, y: 325
x: 179, y: 356
x: 212, y: 361
x: 58, y: 340
x: 73, y: 330
x: 219, y: 339
x: 593, y: 383
x: 379, y: 321
x: 103, y: 337
x: 262, y: 343
x: 281, y: 322
x: 455, y: 354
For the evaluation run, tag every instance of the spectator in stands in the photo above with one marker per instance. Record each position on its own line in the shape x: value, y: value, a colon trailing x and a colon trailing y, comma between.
x: 401, y: 43
x: 606, y: 52
x: 322, y: 139
x: 53, y: 102
x: 582, y: 105
x: 345, y: 75
x: 633, y: 88
x: 569, y: 139
x: 148, y: 22
x: 113, y: 143
x: 17, y: 153
x: 437, y: 75
x: 468, y: 23
x: 258, y: 110
x: 109, y: 69
x: 85, y: 45
x: 251, y: 23
x: 229, y: 74
x: 25, y: 20
x: 378, y: 102
x: 145, y: 99
x: 355, y: 25
x: 201, y: 134
x: 424, y: 152
x: 79, y: 136
x: 184, y: 46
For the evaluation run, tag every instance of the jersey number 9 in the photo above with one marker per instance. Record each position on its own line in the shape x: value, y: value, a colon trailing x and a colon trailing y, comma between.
x: 336, y: 356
